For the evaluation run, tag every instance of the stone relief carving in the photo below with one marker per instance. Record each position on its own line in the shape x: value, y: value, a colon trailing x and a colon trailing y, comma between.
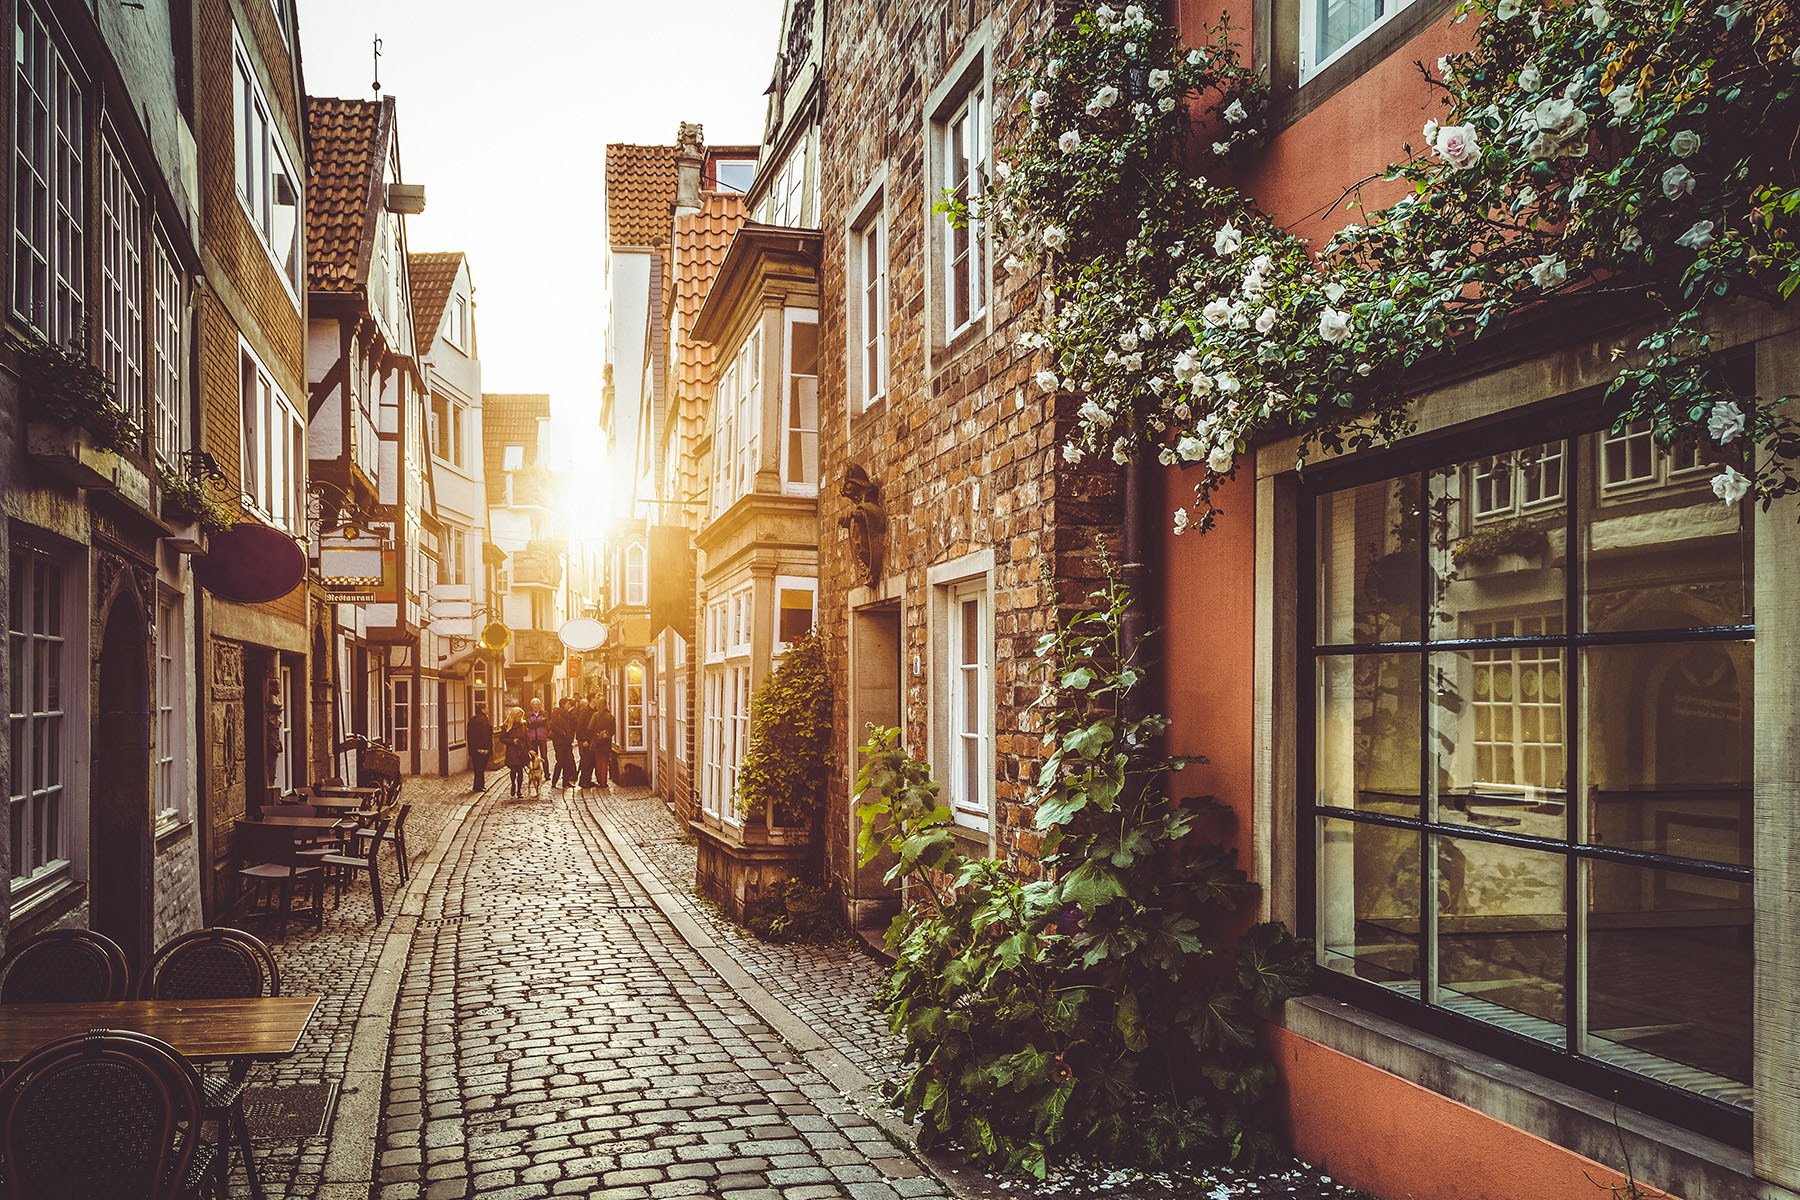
x: 799, y: 35
x: 272, y: 740
x: 865, y: 521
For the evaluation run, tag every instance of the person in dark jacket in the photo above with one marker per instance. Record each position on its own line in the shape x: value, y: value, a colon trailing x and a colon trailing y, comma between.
x: 537, y: 728
x: 518, y: 749
x: 562, y: 737
x: 584, y: 740
x: 481, y: 745
x: 605, y: 760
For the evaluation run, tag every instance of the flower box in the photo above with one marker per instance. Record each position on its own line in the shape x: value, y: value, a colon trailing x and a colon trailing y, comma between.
x: 185, y: 536
x: 70, y: 453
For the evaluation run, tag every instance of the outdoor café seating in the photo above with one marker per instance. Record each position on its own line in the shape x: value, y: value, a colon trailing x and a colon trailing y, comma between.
x: 274, y: 868
x: 64, y: 965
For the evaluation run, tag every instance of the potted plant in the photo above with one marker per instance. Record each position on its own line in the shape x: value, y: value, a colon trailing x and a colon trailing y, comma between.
x: 74, y: 425
x: 192, y: 507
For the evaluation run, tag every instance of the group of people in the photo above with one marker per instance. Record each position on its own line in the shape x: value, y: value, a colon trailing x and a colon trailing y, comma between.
x: 579, y: 731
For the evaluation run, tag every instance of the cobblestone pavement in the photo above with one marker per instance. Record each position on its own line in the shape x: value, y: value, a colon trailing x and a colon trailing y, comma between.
x: 556, y: 1036
x: 336, y: 963
x: 831, y: 988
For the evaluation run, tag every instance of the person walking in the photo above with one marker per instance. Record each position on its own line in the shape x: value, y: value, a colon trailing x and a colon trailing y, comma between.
x: 584, y: 738
x: 537, y: 728
x: 562, y: 737
x: 481, y: 745
x: 518, y: 749
x: 604, y: 729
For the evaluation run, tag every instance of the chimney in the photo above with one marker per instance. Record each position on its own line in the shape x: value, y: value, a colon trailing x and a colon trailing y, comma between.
x: 690, y: 156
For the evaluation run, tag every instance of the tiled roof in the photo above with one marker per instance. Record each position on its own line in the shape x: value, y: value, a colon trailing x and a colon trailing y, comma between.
x: 345, y: 140
x: 508, y: 419
x: 640, y: 187
x: 433, y: 277
x: 700, y: 244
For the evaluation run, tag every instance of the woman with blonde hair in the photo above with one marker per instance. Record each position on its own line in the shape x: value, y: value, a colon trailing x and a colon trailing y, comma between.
x: 518, y: 752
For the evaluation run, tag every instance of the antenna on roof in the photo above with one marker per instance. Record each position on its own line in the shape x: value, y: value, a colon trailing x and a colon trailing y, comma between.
x: 377, y: 83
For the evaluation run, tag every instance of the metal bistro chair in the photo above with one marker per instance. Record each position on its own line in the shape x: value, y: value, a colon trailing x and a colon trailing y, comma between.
x: 102, y: 1115
x: 272, y: 860
x: 395, y: 837
x: 65, y: 966
x: 218, y: 964
x: 341, y: 865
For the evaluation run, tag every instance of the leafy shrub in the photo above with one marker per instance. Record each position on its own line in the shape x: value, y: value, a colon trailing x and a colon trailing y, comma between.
x: 194, y: 498
x: 796, y: 911
x: 62, y: 386
x: 788, y: 759
x: 1087, y: 1012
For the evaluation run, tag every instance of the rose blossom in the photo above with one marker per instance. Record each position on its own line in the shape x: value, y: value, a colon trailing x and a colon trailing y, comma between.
x: 1623, y: 99
x: 1103, y: 99
x: 1166, y: 104
x: 1191, y: 449
x: 1181, y: 520
x: 1046, y: 381
x: 1040, y: 100
x: 1227, y: 240
x: 1506, y: 10
x: 1054, y: 236
x: 1677, y: 182
x: 1730, y: 486
x: 1221, y: 148
x: 1068, y: 141
x: 1458, y: 146
x: 1726, y: 422
x: 1265, y: 320
x: 1699, y: 236
x: 1091, y: 412
x: 1550, y: 273
x: 1334, y: 326
x: 1684, y: 143
x: 1216, y: 312
x: 1431, y: 132
x: 1236, y: 113
x: 1227, y: 383
x: 1159, y: 79
x: 1530, y: 78
x: 1219, y: 459
x: 1071, y: 452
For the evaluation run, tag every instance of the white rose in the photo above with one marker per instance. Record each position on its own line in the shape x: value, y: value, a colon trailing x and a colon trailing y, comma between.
x: 1227, y: 240
x: 1132, y: 362
x: 1730, y: 486
x: 1216, y: 312
x: 1599, y: 16
x: 1193, y: 58
x: 1334, y: 291
x: 1443, y: 66
x: 1726, y: 422
x: 1506, y: 10
x: 1265, y: 320
x: 1046, y: 381
x: 1054, y: 236
x: 1181, y: 521
x: 1677, y: 182
x: 1159, y: 79
x: 1530, y: 78
x: 1227, y: 383
x: 1630, y: 239
x: 1236, y: 113
x: 1550, y: 273
x: 1070, y: 139
x: 1141, y: 111
x: 1684, y: 143
x: 1186, y: 366
x: 1431, y: 132
x: 1166, y: 104
x: 1156, y: 384
x: 1128, y: 341
x: 1221, y: 148
x: 1699, y: 236
x: 1071, y: 452
x: 1191, y: 449
x: 1091, y: 413
x: 1334, y: 326
x: 1131, y: 47
x: 1219, y: 459
x: 1040, y: 100
x: 1105, y: 98
x: 1458, y: 146
x: 1053, y: 68
x: 1105, y: 15
x: 1623, y: 99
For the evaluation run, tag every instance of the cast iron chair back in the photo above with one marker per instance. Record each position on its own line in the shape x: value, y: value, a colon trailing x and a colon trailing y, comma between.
x: 99, y: 1116
x: 212, y: 964
x: 65, y: 966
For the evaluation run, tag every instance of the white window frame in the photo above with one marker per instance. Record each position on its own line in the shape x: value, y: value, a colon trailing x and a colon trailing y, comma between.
x: 634, y: 730
x: 1514, y: 473
x: 637, y: 574
x: 272, y: 450
x: 737, y: 423
x: 791, y: 583
x: 971, y: 119
x: 967, y: 687
x: 680, y: 703
x: 285, y: 779
x: 866, y: 304
x: 261, y: 158
x: 1665, y: 465
x: 400, y: 697
x: 47, y: 94
x: 41, y: 634
x: 1310, y: 63
x: 792, y: 318
x: 456, y: 714
x: 428, y: 718
x: 786, y: 205
x: 121, y: 280
x: 169, y: 316
x: 170, y: 707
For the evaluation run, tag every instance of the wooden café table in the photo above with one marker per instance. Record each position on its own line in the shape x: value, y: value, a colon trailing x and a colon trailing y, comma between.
x: 339, y: 803
x: 264, y: 1028
x: 277, y: 820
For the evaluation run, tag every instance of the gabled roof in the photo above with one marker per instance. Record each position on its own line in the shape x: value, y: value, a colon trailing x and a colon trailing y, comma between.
x: 640, y: 187
x: 347, y: 143
x: 433, y: 278
x: 508, y: 419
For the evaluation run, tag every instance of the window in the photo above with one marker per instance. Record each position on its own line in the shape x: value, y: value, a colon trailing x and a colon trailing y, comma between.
x: 267, y: 186
x: 634, y: 706
x: 868, y: 309
x: 800, y: 407
x: 967, y: 685
x: 786, y: 204
x: 737, y: 419
x: 637, y: 575
x: 274, y: 448
x: 170, y: 301
x: 1330, y: 27
x: 796, y: 607
x: 478, y: 688
x: 733, y: 174
x: 38, y: 657
x: 171, y: 663
x: 1529, y: 788
x: 401, y: 734
x: 428, y: 717
x: 456, y: 322
x: 726, y: 683
x: 512, y: 458
x: 446, y: 430
x: 121, y: 283
x: 1631, y: 459
x: 457, y: 542
x: 285, y: 780
x: 681, y: 717
x: 962, y: 144
x: 456, y: 714
x: 49, y: 185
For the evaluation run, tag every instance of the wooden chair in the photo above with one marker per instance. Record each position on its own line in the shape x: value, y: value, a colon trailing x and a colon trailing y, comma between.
x: 218, y: 964
x: 64, y: 965
x: 343, y: 864
x: 101, y: 1115
x: 274, y: 860
x: 395, y: 837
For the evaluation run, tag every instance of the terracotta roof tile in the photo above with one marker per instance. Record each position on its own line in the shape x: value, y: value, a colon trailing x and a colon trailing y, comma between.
x: 344, y: 137
x: 508, y: 419
x: 433, y: 277
x: 640, y: 187
x: 701, y: 241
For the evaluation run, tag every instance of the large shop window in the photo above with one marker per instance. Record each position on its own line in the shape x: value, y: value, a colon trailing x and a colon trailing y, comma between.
x: 274, y: 453
x: 37, y: 725
x: 49, y: 185
x: 1530, y: 777
x: 267, y: 186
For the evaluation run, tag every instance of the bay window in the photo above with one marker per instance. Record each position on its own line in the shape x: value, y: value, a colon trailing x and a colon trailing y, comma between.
x: 49, y: 184
x: 800, y: 407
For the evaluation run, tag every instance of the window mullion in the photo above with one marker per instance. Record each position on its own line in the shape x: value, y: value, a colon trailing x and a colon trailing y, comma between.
x: 1574, y: 760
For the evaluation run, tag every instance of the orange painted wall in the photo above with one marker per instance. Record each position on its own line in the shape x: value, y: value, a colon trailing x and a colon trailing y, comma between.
x: 1408, y: 1143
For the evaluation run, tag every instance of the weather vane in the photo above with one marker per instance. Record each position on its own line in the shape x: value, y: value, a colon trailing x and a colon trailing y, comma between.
x: 377, y: 84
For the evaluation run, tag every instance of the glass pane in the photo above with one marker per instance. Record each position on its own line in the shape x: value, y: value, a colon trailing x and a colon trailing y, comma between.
x: 796, y: 614
x: 1368, y: 918
x: 1369, y: 726
x: 1369, y: 563
x: 1498, y: 728
x: 805, y: 349
x: 1668, y: 747
x: 1663, y: 552
x: 1341, y: 20
x: 1689, y: 1027
x: 1502, y: 935
x: 1499, y: 535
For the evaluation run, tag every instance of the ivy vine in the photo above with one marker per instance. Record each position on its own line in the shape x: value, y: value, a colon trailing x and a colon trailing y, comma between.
x: 788, y: 760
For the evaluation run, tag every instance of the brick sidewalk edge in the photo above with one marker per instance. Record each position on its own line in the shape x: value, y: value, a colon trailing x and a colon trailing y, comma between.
x: 819, y: 1054
x: 356, y: 1125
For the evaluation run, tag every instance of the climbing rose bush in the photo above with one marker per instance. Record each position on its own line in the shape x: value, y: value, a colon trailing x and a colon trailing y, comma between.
x: 1594, y: 151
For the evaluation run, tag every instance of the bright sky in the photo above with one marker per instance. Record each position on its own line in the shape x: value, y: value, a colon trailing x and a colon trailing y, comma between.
x: 505, y: 110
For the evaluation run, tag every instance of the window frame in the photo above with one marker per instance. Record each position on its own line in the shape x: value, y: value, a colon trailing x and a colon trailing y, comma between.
x: 52, y: 632
x: 261, y: 411
x: 167, y: 357
x: 400, y: 706
x: 58, y: 238
x: 123, y: 320
x: 962, y: 691
x: 866, y: 303
x: 634, y: 730
x: 170, y: 801
x: 637, y: 575
x: 973, y: 114
x: 792, y: 318
x: 1308, y: 29
x: 250, y: 100
x: 791, y: 583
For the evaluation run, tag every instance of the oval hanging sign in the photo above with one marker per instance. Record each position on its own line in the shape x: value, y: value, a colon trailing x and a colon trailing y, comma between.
x: 582, y: 634
x: 251, y: 564
x: 495, y: 635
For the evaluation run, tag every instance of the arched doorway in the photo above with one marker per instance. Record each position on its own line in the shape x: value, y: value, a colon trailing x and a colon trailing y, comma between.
x: 119, y: 863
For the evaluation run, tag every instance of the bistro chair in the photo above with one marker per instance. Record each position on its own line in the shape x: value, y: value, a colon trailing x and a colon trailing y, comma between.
x: 65, y: 966
x: 341, y: 865
x: 218, y: 964
x: 395, y: 837
x: 102, y: 1115
x: 274, y: 861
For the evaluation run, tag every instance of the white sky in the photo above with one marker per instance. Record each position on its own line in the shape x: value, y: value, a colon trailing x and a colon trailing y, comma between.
x: 505, y: 109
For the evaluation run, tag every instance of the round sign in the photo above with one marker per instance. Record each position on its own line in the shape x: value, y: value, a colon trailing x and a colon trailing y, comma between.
x: 251, y: 564
x: 582, y: 634
x: 495, y: 635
